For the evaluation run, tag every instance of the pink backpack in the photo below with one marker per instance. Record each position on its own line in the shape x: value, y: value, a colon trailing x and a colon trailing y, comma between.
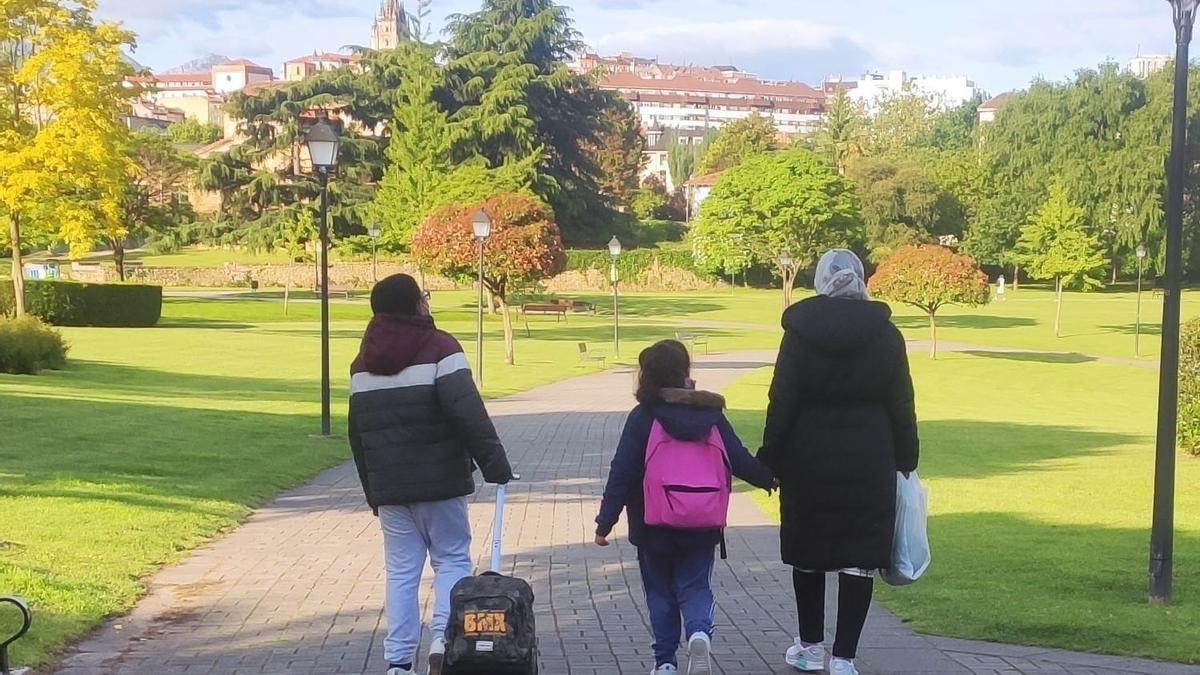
x: 687, y: 483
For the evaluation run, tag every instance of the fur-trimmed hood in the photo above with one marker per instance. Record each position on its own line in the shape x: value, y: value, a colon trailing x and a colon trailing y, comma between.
x: 688, y: 414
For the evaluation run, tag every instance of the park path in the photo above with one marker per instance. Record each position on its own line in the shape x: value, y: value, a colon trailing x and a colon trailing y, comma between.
x: 298, y: 588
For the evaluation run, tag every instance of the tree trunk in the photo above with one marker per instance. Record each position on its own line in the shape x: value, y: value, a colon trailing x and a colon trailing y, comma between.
x: 1016, y: 284
x: 287, y: 288
x: 933, y: 346
x: 509, y: 356
x: 119, y: 259
x: 1114, y: 270
x: 1058, y: 288
x: 18, y: 272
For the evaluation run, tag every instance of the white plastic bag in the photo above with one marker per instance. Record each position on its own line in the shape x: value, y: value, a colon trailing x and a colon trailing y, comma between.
x: 910, y: 548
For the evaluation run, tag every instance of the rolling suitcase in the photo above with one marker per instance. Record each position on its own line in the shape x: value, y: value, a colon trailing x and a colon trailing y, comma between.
x: 491, y: 630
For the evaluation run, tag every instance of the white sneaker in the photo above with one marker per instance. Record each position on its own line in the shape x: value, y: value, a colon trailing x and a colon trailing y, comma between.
x: 400, y: 671
x: 437, y: 655
x: 699, y: 654
x: 806, y: 659
x: 842, y: 667
x: 664, y: 669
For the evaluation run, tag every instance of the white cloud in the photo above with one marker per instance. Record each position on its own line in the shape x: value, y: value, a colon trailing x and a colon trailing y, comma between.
x: 742, y: 36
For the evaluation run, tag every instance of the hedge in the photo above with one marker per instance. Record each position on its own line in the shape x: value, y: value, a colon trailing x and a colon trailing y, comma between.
x: 1189, y: 388
x: 27, y: 345
x: 632, y: 264
x: 69, y: 303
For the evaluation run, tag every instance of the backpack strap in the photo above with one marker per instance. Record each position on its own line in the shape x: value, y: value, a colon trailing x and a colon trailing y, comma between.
x: 724, y: 550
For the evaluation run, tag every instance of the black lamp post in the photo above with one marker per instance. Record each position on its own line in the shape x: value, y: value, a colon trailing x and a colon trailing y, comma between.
x: 374, y: 233
x: 1162, y: 536
x: 1137, y: 333
x: 481, y: 224
x: 614, y: 249
x: 322, y: 141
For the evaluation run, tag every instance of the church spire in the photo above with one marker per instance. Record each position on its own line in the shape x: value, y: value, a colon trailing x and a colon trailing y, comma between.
x: 390, y: 26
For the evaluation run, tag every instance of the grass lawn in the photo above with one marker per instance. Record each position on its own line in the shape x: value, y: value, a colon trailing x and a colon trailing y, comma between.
x: 112, y: 470
x: 1040, y: 479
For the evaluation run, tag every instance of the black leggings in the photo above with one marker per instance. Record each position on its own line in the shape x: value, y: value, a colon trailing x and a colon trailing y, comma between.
x: 854, y: 600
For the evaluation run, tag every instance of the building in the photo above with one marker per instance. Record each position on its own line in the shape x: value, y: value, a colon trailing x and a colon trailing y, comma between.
x: 989, y: 108
x: 700, y: 99
x: 657, y: 153
x: 698, y: 189
x: 870, y: 89
x: 200, y: 96
x: 306, y: 66
x: 228, y: 78
x: 390, y: 26
x: 1145, y: 66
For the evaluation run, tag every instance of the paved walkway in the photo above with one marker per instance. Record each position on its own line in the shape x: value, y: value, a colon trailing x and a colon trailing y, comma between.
x: 298, y: 589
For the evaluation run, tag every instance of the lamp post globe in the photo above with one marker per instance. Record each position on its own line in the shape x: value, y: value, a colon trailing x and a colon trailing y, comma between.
x: 614, y: 247
x: 322, y: 141
x: 481, y: 226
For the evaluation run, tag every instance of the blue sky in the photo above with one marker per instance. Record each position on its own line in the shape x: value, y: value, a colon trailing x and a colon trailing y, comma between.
x: 1001, y: 45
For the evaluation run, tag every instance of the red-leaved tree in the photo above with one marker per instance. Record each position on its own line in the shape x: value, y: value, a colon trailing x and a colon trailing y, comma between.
x: 524, y: 247
x: 930, y: 277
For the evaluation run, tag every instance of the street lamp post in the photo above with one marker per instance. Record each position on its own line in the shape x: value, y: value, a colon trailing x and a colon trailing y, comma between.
x: 481, y: 224
x: 374, y: 233
x: 1162, y: 536
x: 614, y: 249
x: 785, y: 267
x: 1137, y: 332
x: 322, y: 141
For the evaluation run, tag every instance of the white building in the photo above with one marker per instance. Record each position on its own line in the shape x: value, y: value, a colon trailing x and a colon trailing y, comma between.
x: 945, y: 92
x: 1145, y: 66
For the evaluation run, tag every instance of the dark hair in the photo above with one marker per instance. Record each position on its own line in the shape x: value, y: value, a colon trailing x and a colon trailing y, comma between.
x: 663, y: 365
x: 398, y: 294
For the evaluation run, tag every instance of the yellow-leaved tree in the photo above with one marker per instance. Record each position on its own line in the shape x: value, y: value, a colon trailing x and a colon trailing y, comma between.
x: 62, y: 140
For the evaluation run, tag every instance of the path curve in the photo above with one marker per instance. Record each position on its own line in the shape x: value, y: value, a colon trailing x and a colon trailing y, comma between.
x: 298, y: 588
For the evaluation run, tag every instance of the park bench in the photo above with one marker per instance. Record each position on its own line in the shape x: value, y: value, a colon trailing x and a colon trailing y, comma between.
x: 558, y: 311
x: 335, y: 289
x: 586, y: 357
x: 577, y: 305
x: 692, y: 341
x: 7, y: 640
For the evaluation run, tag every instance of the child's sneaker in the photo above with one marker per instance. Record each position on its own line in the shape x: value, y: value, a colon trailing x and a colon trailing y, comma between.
x: 699, y: 651
x: 437, y: 655
x: 665, y: 669
x: 397, y: 670
x: 842, y: 667
x: 806, y: 659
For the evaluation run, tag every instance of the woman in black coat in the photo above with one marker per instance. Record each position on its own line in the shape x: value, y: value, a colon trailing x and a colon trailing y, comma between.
x: 840, y: 424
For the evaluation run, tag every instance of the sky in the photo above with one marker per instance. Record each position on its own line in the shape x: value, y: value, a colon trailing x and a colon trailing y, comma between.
x: 1000, y: 45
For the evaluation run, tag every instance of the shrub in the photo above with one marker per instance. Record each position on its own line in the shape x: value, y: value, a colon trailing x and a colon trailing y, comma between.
x: 632, y: 264
x: 68, y: 303
x: 1189, y: 388
x: 27, y: 345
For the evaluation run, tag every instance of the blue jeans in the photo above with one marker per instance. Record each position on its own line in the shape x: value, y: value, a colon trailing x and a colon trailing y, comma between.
x: 439, y: 531
x: 679, y: 595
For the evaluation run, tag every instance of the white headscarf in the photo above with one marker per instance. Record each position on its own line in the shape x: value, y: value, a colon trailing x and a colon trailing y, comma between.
x: 840, y: 274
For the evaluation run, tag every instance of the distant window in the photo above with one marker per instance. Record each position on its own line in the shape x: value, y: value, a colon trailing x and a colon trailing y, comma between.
x: 229, y: 78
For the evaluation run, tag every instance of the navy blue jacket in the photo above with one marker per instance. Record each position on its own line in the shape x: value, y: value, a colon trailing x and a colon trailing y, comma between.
x: 686, y: 415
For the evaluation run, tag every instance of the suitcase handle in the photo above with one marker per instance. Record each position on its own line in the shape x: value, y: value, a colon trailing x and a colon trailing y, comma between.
x: 498, y: 525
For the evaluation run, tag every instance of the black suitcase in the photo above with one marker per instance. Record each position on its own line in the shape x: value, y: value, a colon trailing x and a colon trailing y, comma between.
x: 492, y: 629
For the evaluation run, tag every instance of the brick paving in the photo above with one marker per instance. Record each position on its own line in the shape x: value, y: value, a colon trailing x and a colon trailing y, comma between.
x: 298, y: 589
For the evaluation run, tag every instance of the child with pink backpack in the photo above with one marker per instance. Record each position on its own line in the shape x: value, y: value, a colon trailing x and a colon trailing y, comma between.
x: 672, y: 474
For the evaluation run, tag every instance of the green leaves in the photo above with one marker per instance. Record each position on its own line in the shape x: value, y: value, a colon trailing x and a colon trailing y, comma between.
x: 929, y: 277
x: 1056, y: 244
x: 784, y: 200
x: 738, y: 141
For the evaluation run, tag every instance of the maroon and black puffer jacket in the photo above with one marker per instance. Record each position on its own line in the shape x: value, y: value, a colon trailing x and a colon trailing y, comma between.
x: 418, y: 425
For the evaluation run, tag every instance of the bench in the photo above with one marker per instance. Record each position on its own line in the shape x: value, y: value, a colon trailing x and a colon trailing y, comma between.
x: 692, y: 341
x: 26, y: 622
x: 347, y: 291
x: 578, y: 305
x: 558, y: 311
x: 587, y: 357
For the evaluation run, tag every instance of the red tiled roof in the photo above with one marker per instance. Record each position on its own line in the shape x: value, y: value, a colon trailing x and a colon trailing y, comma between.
x: 244, y: 63
x: 707, y: 180
x: 996, y: 102
x: 329, y: 56
x: 255, y: 87
x: 174, y: 78
x: 690, y: 83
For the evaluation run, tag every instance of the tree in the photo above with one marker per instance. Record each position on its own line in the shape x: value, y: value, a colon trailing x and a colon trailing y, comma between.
x: 929, y: 278
x: 902, y: 204
x: 651, y: 201
x: 683, y: 155
x: 1056, y: 245
x: 154, y: 197
x: 738, y: 141
x: 62, y: 161
x: 789, y: 200
x: 193, y: 132
x: 619, y: 154
x: 292, y: 241
x: 903, y: 121
x: 843, y: 134
x: 524, y: 248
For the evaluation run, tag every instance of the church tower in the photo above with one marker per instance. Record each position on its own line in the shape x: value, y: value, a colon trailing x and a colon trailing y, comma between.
x: 390, y: 27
